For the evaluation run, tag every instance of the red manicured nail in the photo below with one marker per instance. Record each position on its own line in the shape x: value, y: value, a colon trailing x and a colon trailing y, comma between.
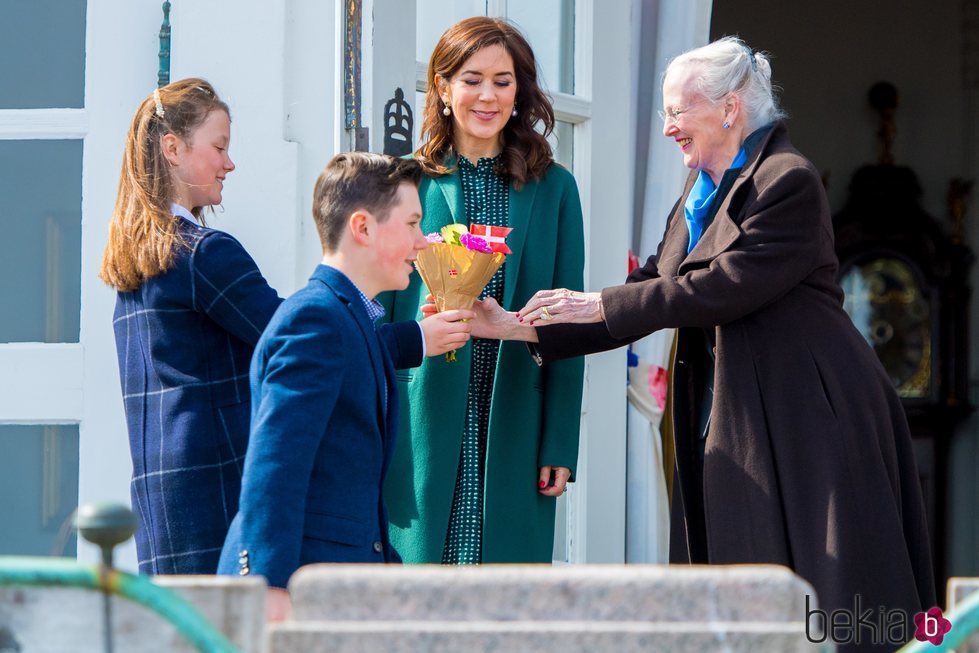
x: 543, y: 484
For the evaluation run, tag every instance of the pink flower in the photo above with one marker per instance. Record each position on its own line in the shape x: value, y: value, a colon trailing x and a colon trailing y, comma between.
x: 657, y: 385
x: 475, y: 243
x: 434, y: 237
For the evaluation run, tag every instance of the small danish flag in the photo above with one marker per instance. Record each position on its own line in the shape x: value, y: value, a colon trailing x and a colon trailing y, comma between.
x: 494, y: 236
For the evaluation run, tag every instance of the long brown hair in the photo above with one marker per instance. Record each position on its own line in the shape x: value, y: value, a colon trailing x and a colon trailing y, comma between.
x: 143, y: 235
x: 526, y: 152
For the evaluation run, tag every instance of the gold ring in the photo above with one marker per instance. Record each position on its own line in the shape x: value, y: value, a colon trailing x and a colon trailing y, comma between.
x: 545, y: 314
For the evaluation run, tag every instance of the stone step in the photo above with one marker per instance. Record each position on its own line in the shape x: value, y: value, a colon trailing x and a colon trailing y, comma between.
x: 60, y: 619
x: 641, y: 593
x: 534, y: 637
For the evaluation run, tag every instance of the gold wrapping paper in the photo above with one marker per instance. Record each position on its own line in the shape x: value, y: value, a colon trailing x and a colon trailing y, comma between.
x: 455, y: 275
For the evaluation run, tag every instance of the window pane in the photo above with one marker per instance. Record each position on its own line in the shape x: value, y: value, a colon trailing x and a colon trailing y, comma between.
x: 562, y: 142
x: 42, y: 54
x: 40, y: 253
x: 549, y: 26
x: 39, y: 484
x: 419, y: 110
x: 436, y: 16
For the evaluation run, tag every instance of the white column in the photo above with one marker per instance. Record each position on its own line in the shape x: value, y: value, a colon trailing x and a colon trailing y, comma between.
x: 596, y: 523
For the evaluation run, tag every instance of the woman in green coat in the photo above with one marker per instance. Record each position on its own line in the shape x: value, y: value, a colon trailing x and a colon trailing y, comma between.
x: 489, y: 441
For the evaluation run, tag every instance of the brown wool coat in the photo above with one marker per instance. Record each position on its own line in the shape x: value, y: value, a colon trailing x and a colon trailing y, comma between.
x: 808, y: 459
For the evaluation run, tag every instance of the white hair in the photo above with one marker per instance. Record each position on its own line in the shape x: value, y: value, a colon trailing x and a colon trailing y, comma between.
x: 728, y: 65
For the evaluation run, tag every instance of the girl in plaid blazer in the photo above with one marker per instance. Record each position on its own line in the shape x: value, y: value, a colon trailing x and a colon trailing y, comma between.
x: 191, y: 305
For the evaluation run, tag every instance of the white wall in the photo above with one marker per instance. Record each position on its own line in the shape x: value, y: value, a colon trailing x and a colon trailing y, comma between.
x: 242, y: 53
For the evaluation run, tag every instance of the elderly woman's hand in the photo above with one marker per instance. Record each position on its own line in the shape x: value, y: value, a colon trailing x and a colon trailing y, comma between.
x: 562, y: 306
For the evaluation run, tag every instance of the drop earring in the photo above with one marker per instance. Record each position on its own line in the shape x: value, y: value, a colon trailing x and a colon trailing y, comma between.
x: 446, y: 111
x: 514, y: 112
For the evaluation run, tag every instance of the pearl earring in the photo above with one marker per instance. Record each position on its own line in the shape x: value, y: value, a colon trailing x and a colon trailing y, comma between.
x: 446, y: 111
x: 514, y: 112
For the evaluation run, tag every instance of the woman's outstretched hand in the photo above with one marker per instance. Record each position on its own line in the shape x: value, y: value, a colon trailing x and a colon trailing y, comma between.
x: 491, y: 321
x: 494, y: 323
x: 562, y: 306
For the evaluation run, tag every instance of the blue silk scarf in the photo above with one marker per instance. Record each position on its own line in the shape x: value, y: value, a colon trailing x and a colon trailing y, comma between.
x: 701, y: 197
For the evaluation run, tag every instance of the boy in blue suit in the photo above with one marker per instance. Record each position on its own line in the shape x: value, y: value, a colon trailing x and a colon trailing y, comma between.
x: 324, y: 399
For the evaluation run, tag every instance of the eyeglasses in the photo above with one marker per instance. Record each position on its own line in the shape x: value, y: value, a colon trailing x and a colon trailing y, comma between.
x: 673, y: 113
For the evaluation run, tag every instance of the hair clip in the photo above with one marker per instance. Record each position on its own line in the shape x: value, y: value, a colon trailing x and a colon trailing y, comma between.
x: 754, y: 62
x: 159, y: 103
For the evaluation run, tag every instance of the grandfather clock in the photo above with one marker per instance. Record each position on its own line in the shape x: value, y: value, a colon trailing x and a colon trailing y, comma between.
x: 906, y: 289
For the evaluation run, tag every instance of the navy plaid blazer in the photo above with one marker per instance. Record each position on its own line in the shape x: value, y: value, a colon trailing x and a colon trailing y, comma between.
x: 184, y: 341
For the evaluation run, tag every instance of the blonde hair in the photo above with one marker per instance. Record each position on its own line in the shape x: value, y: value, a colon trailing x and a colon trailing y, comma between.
x: 143, y: 235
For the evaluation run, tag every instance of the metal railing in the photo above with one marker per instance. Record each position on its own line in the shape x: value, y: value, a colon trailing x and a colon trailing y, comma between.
x: 965, y: 622
x: 108, y: 526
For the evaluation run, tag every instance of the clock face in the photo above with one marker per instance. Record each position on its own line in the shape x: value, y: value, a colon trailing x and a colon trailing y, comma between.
x: 887, y: 305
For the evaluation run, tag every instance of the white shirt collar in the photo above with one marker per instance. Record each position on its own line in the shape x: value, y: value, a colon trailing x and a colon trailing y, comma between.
x: 176, y: 209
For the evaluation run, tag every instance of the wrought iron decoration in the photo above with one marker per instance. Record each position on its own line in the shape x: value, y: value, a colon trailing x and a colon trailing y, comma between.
x: 398, y: 125
x: 163, y: 76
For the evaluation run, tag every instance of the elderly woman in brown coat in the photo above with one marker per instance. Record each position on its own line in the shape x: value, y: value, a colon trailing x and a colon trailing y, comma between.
x: 791, y: 446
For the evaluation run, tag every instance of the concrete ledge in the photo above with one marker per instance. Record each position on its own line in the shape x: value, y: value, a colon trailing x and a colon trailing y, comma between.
x: 56, y: 620
x: 641, y: 593
x: 958, y: 589
x: 519, y: 637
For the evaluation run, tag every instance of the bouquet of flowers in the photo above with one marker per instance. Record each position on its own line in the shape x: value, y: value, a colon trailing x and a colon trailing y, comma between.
x: 458, y: 263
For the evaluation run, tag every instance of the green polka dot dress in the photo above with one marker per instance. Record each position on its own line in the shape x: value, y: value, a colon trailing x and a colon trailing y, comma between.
x: 487, y: 197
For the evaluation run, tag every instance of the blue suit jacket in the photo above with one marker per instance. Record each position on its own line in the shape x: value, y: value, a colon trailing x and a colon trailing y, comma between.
x: 324, y: 421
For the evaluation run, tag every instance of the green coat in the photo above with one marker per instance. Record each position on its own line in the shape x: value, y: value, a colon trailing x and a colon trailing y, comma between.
x: 535, y: 411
